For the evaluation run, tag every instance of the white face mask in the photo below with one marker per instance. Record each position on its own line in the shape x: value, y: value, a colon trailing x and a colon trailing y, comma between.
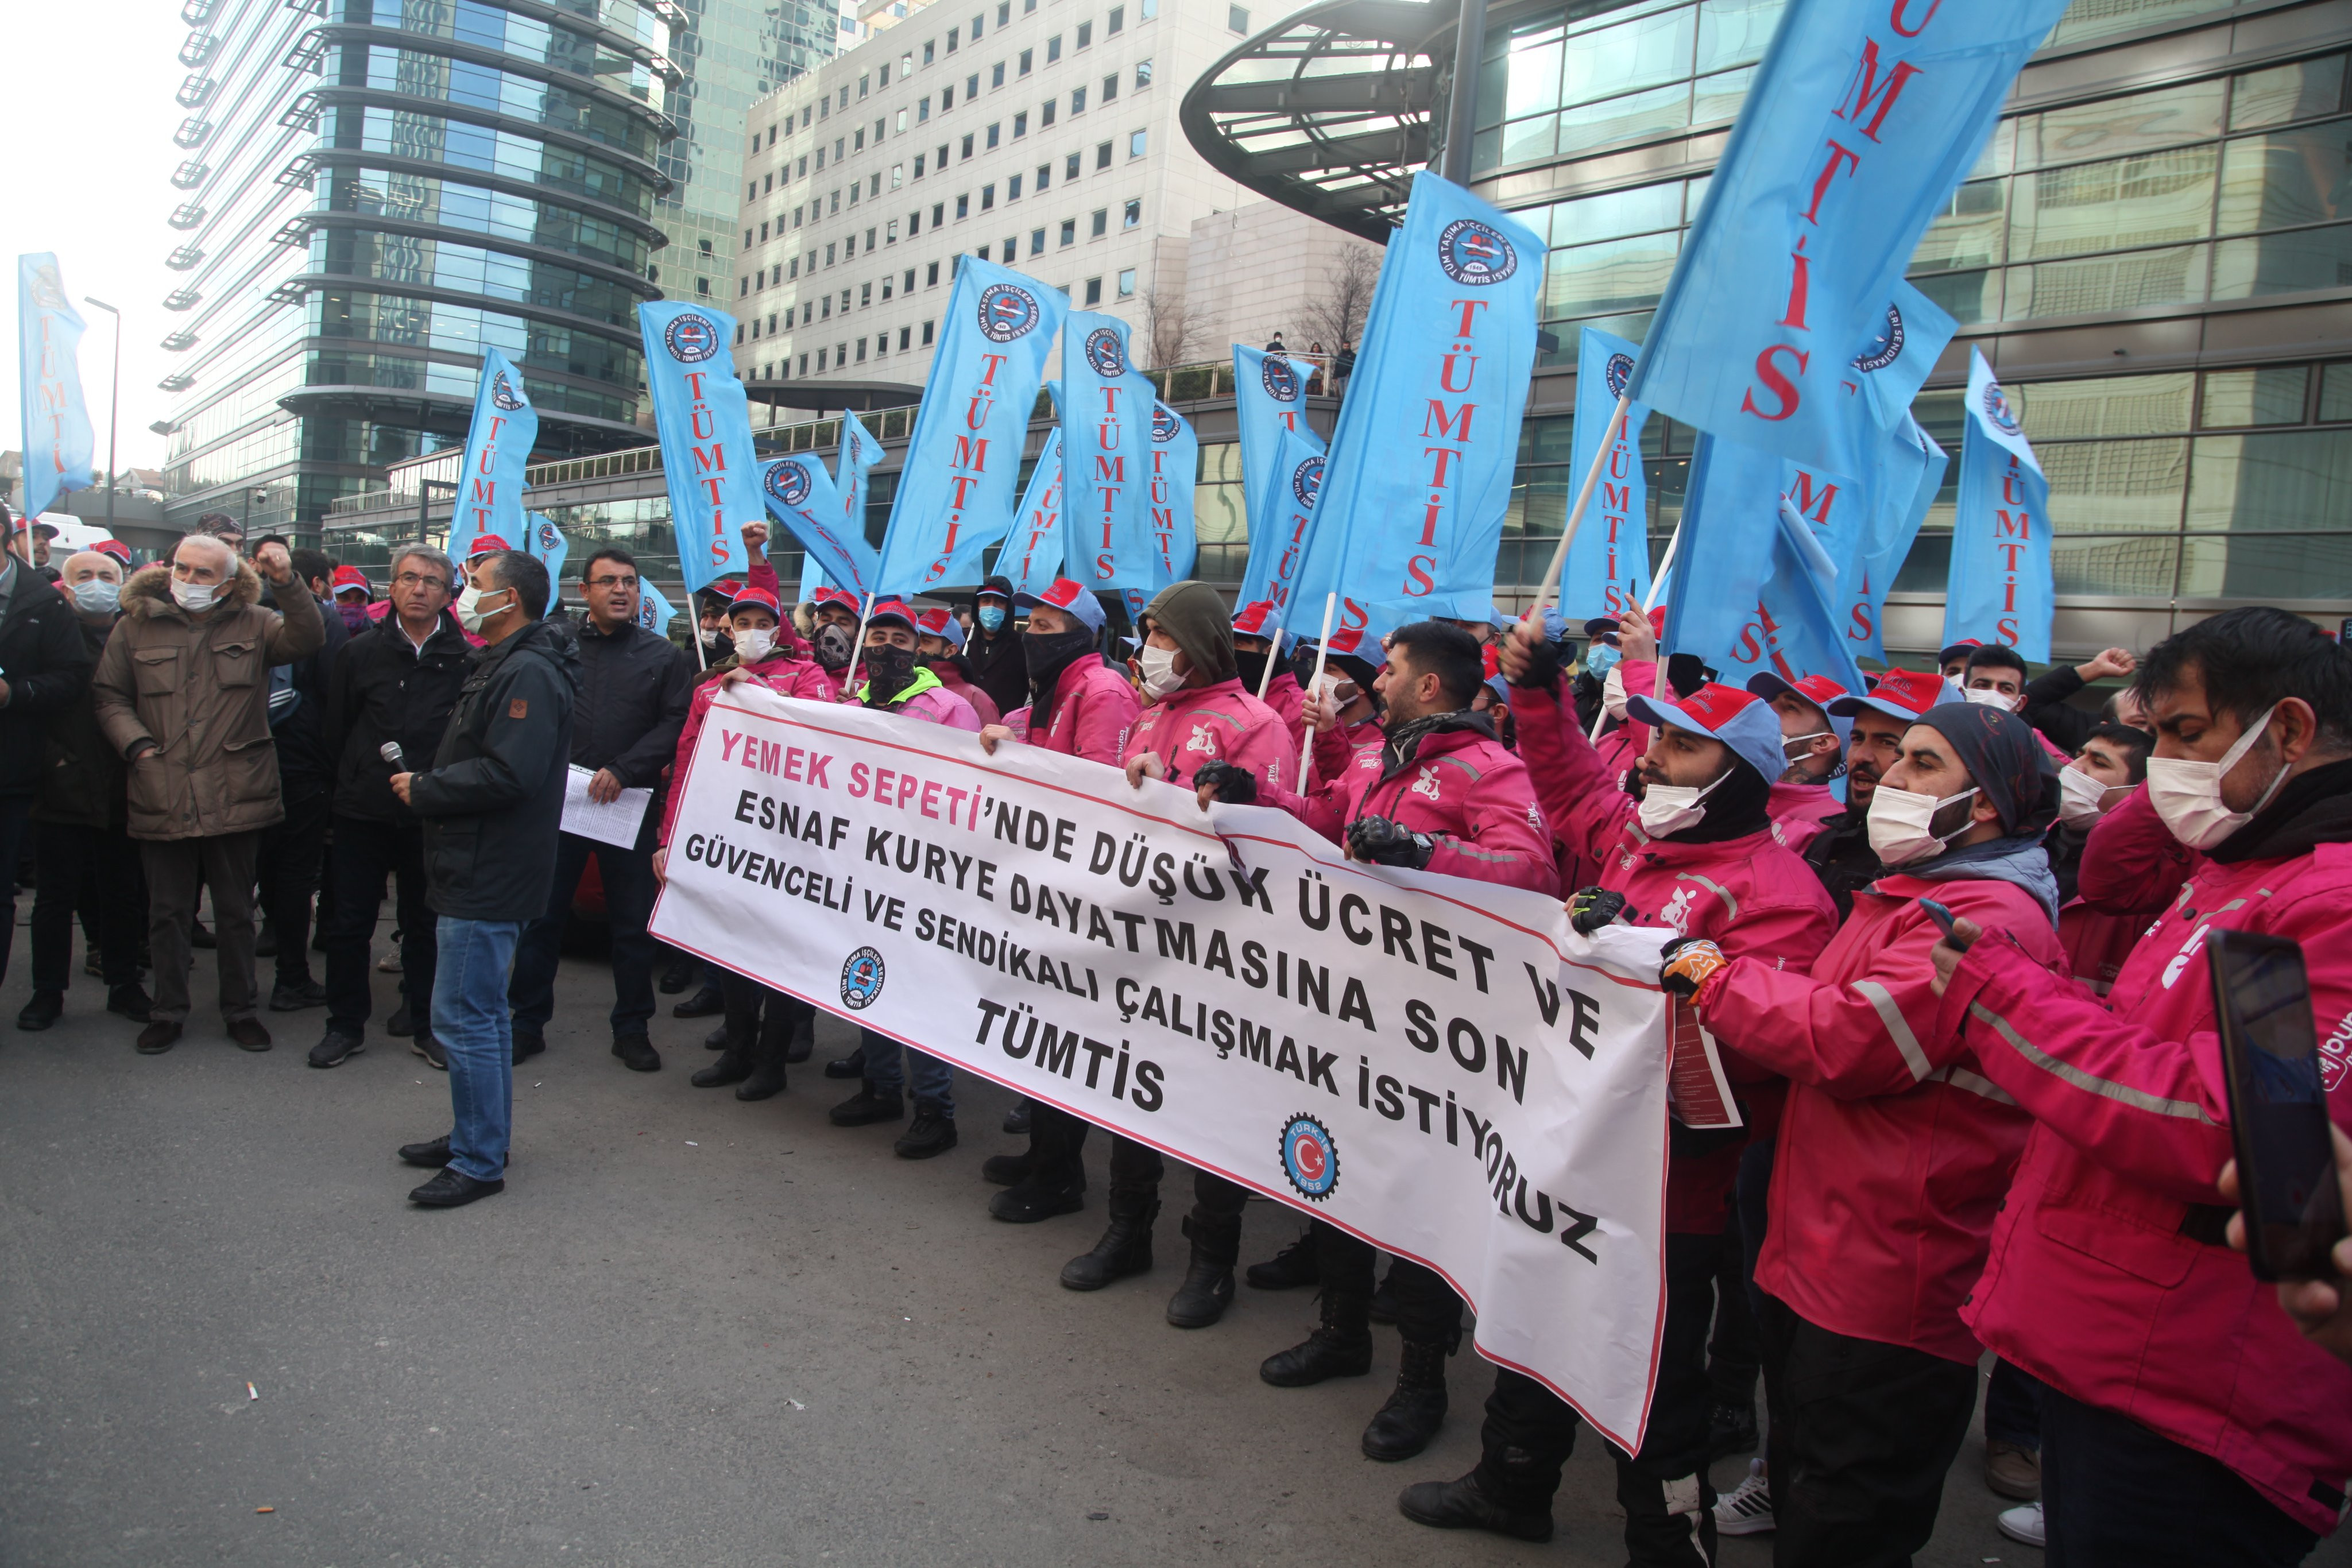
x: 2187, y: 794
x: 97, y: 596
x: 2081, y: 799
x: 1613, y: 695
x: 196, y: 597
x: 470, y: 614
x: 1991, y: 696
x: 1902, y: 824
x: 1160, y: 677
x: 752, y: 646
x: 1668, y: 809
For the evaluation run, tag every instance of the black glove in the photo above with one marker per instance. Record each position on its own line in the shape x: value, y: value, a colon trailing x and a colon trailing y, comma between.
x: 1542, y: 673
x: 1235, y: 786
x: 1593, y: 907
x: 1384, y: 842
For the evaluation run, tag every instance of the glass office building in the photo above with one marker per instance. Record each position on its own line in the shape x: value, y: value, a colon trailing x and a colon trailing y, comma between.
x: 378, y: 190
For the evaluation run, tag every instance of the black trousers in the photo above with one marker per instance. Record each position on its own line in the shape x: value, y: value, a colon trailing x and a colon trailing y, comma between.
x: 178, y: 872
x: 1669, y: 1504
x: 751, y: 1004
x: 16, y: 816
x: 2116, y: 1495
x: 291, y: 852
x: 629, y: 889
x: 95, y: 871
x: 365, y: 854
x: 1427, y: 1310
x: 1859, y: 1451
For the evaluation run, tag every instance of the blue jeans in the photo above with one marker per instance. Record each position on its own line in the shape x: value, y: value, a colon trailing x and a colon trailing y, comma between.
x: 932, y: 1077
x: 469, y: 1017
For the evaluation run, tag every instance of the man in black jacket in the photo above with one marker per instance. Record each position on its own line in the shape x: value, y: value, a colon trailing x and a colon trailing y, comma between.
x: 290, y: 850
x: 493, y: 805
x: 44, y: 668
x: 2068, y: 727
x: 635, y: 688
x: 396, y: 682
x: 993, y: 653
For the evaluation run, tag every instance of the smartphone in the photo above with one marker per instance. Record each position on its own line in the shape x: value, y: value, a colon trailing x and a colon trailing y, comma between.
x: 2278, y: 1107
x: 1943, y: 919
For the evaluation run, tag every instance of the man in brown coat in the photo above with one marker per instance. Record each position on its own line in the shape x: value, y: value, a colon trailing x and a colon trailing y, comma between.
x: 182, y: 694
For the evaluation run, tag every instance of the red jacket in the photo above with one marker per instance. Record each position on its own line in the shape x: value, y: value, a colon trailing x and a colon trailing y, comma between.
x: 1800, y: 812
x: 1207, y: 722
x: 1751, y: 895
x: 1094, y: 707
x: 1284, y: 695
x: 2093, y: 1286
x: 2133, y: 864
x: 1896, y: 1147
x: 1463, y: 788
x: 984, y: 706
x: 780, y: 671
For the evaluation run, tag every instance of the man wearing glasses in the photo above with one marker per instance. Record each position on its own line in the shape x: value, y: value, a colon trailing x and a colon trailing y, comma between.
x: 398, y: 682
x: 635, y: 689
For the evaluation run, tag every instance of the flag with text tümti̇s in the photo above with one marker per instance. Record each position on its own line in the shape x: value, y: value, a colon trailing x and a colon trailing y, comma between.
x: 1032, y: 557
x: 955, y: 493
x: 1106, y: 457
x: 1861, y: 117
x: 1794, y: 631
x: 1168, y: 497
x: 1609, y: 563
x: 1730, y: 529
x: 1901, y: 486
x: 497, y: 448
x: 1421, y: 464
x: 58, y: 441
x: 2000, y: 590
x: 1269, y: 400
x: 805, y: 499
x: 1902, y: 352
x: 1281, y: 519
x: 705, y: 423
x: 860, y: 453
x: 549, y: 546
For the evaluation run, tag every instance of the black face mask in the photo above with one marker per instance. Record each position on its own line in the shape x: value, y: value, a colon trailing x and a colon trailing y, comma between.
x: 1252, y: 668
x: 833, y: 646
x: 889, y: 670
x: 1050, y: 652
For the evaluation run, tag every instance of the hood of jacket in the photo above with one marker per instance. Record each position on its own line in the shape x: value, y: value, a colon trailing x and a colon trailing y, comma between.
x: 2020, y: 860
x: 149, y: 592
x: 539, y: 640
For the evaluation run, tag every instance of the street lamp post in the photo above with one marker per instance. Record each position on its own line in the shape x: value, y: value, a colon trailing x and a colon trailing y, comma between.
x: 113, y: 404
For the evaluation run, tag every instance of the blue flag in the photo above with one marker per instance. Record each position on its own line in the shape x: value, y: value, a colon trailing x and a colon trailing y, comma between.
x: 1610, y: 561
x: 652, y: 610
x: 1269, y: 400
x: 1897, y: 360
x: 1167, y: 498
x: 545, y: 542
x: 1281, y: 521
x: 860, y: 453
x: 1106, y: 458
x: 803, y: 496
x: 1032, y: 557
x: 497, y: 448
x: 1422, y: 461
x: 1862, y: 117
x: 955, y: 493
x: 704, y: 421
x: 1730, y: 531
x: 1910, y: 471
x: 812, y: 577
x: 2000, y: 590
x: 1795, y: 631
x: 58, y: 443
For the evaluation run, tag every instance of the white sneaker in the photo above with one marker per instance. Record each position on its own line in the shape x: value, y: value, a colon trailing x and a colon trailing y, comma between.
x: 1748, y: 1510
x: 2024, y: 1523
x: 389, y: 964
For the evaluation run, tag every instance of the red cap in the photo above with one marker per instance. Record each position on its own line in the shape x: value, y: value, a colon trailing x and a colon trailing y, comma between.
x: 1819, y: 690
x: 1252, y: 619
x: 351, y: 577
x: 114, y: 548
x: 1904, y: 693
x: 485, y: 543
x: 1741, y: 720
x: 1063, y: 594
x: 840, y: 596
x: 894, y: 611
x: 1606, y: 625
x: 759, y: 598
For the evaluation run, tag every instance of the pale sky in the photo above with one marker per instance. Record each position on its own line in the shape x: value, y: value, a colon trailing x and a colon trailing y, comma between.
x: 89, y: 158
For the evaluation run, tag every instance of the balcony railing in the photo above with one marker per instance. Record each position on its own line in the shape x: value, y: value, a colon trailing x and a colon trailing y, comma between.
x: 193, y: 132
x: 195, y: 91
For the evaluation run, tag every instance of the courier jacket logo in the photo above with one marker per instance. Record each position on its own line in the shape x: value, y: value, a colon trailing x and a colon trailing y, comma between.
x: 1006, y: 312
x: 690, y: 339
x: 1473, y: 253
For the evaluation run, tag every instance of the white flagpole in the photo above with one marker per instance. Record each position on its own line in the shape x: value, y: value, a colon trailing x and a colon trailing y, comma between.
x: 1657, y: 586
x: 858, y: 650
x: 1265, y: 676
x: 1549, y: 587
x: 1322, y: 653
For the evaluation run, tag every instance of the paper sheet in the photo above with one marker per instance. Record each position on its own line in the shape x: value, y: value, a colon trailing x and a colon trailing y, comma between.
x: 1701, y: 1094
x: 615, y: 823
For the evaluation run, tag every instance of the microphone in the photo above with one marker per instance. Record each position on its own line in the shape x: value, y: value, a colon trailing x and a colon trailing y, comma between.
x: 390, y: 751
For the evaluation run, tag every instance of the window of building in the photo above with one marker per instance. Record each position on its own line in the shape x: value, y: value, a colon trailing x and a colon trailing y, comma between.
x: 882, y: 77
x: 824, y: 110
x: 1115, y: 22
x: 824, y: 311
x: 819, y: 361
x: 1021, y: 124
x: 1101, y: 222
x: 838, y: 148
x: 976, y: 22
x: 938, y: 214
x: 994, y: 128
x: 971, y: 85
x: 800, y: 170
x: 795, y: 270
x: 996, y: 74
x: 804, y: 117
x: 1102, y: 156
x: 929, y: 53
x: 1069, y: 231
x: 1045, y: 112
x: 947, y: 98
x: 803, y: 364
x: 1045, y: 177
x: 1078, y: 100
x: 900, y: 127
x: 864, y: 295
x: 1110, y: 87
x: 914, y: 223
x: 1094, y: 290
x: 857, y: 143
x: 828, y: 256
x: 890, y: 233
x: 1237, y: 18
x: 931, y: 280
x: 922, y: 110
x: 967, y: 146
x: 906, y: 65
x: 1053, y: 49
x: 927, y: 326
x: 742, y: 287
x: 751, y: 192
x: 1142, y: 73
x: 862, y: 83
x: 1136, y: 142
x: 1070, y: 165
x: 983, y: 254
x: 1005, y: 13
x: 1012, y: 189
x: 857, y: 188
x: 1036, y: 242
x: 1085, y: 34
x: 1133, y: 216
x: 987, y: 197
x: 1027, y: 61
x: 963, y: 207
x: 1126, y: 284
x: 951, y: 40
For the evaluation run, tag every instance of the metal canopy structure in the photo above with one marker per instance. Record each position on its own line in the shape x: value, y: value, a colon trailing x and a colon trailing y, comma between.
x: 1329, y: 112
x: 820, y: 397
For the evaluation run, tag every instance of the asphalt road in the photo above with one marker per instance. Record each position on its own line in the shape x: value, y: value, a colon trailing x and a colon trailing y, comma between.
x: 691, y: 1332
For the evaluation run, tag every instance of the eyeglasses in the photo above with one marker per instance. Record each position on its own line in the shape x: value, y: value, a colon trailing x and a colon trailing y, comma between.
x: 612, y: 582
x: 418, y: 579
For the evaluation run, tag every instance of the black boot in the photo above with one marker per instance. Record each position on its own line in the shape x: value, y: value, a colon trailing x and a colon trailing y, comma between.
x: 1467, y: 1504
x: 1208, y: 1286
x: 767, y: 1079
x: 804, y: 1039
x: 1409, y: 1421
x: 702, y: 1004
x: 867, y: 1106
x: 1287, y: 1269
x: 1009, y: 1170
x: 850, y: 1066
x: 1050, y: 1188
x: 1342, y: 1346
x: 1126, y: 1245
x: 734, y: 1066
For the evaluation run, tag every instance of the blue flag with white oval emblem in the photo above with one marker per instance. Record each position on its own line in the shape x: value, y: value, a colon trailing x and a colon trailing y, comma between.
x: 1281, y: 519
x: 1032, y: 557
x: 548, y: 546
x: 1419, y: 476
x: 803, y: 496
x: 498, y: 447
x: 1863, y: 115
x: 1728, y: 532
x: 1168, y: 496
x: 1106, y: 458
x: 705, y: 423
x: 1610, y: 562
x: 860, y: 453
x: 2001, y: 589
x: 58, y: 441
x: 1900, y: 355
x: 1270, y: 400
x: 955, y: 493
x: 654, y: 611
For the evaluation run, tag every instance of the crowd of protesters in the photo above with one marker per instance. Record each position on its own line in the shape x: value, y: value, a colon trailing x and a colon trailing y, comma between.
x: 2007, y: 1141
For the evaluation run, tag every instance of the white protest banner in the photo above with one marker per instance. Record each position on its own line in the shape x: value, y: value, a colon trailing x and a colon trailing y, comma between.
x: 1438, y: 1066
